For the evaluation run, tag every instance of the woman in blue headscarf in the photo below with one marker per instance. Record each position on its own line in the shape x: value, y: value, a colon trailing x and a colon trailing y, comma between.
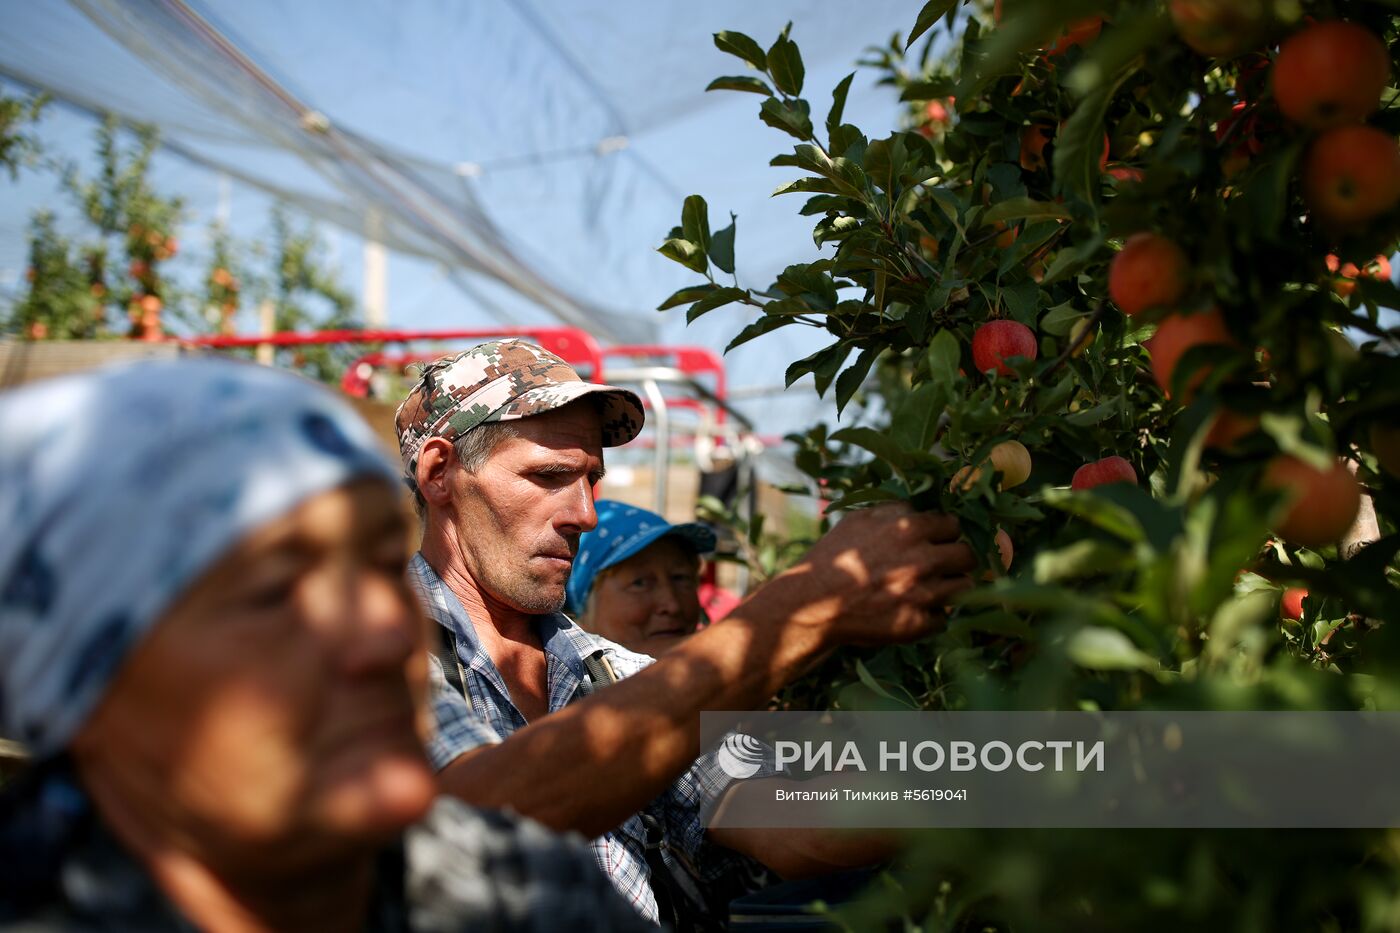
x: 636, y: 576
x: 208, y: 647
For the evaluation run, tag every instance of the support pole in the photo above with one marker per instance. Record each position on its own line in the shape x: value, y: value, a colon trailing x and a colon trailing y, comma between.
x: 267, y: 324
x: 376, y: 288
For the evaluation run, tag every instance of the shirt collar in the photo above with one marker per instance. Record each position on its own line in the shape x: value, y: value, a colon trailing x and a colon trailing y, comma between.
x: 565, y: 644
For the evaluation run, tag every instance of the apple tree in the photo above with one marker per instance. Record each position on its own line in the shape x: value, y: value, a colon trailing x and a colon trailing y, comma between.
x: 1115, y: 295
x: 116, y: 277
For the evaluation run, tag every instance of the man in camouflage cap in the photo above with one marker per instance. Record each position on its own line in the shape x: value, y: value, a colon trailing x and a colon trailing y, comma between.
x: 502, y: 381
x: 503, y: 445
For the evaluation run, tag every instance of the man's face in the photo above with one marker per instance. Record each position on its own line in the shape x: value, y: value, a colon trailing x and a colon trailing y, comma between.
x: 272, y: 714
x: 519, y: 517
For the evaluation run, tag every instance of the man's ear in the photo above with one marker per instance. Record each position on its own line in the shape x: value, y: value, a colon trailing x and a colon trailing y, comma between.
x: 435, y: 461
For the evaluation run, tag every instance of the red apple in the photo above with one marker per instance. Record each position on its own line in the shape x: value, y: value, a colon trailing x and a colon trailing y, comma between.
x: 1112, y: 469
x: 996, y: 341
x: 1329, y: 74
x: 1219, y: 28
x: 1321, y: 504
x: 1351, y: 174
x: 1150, y: 271
x: 1178, y: 333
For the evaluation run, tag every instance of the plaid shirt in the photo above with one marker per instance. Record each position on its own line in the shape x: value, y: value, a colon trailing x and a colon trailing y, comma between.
x: 459, y: 869
x: 492, y: 716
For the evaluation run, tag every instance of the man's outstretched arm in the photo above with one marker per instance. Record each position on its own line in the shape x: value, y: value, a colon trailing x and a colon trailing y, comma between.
x: 881, y: 576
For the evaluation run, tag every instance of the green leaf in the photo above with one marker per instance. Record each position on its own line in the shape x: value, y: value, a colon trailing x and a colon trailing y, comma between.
x: 1032, y: 238
x: 853, y: 376
x: 863, y: 497
x: 1060, y: 320
x: 1069, y: 260
x: 1188, y: 439
x: 785, y: 65
x: 1099, y: 512
x: 715, y: 299
x: 1018, y: 208
x: 1023, y: 301
x: 822, y: 365
x: 813, y: 159
x: 838, y: 107
x: 885, y: 160
x: 1107, y: 649
x: 736, y: 43
x: 1266, y: 191
x: 722, y: 246
x: 948, y: 205
x: 876, y: 442
x: 809, y: 279
x: 758, y: 328
x: 927, y: 17
x: 1086, y: 558
x: 695, y: 221
x: 740, y: 83
x: 1097, y: 414
x: 686, y: 295
x: 914, y: 423
x: 875, y: 687
x: 994, y: 622
x: 830, y: 204
x: 1237, y: 616
x: 1134, y: 32
x: 928, y: 90
x: 834, y: 228
x: 792, y: 117
x: 684, y: 252
x: 1053, y: 398
x: 1289, y: 432
x: 1027, y: 27
x: 1079, y: 143
x: 809, y: 185
x: 849, y: 142
x: 944, y: 355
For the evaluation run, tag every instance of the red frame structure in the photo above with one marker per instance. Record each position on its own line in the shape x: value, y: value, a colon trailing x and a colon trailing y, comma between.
x: 571, y: 344
x: 693, y: 361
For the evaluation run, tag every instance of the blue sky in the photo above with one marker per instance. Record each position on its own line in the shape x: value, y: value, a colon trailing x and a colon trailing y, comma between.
x: 523, y: 90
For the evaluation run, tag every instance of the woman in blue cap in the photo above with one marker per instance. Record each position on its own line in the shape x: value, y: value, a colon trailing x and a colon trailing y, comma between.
x: 636, y: 578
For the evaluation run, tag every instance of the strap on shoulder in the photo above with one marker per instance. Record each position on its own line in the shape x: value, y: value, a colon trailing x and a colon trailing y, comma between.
x: 600, y: 671
x: 445, y: 647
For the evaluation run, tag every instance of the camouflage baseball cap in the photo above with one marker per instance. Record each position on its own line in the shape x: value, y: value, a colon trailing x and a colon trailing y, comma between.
x: 501, y: 381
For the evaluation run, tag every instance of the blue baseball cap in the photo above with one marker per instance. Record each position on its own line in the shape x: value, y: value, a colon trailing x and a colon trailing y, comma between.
x: 623, y: 531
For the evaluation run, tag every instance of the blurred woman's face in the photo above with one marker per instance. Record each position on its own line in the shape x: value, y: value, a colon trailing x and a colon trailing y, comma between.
x: 275, y: 710
x: 649, y: 602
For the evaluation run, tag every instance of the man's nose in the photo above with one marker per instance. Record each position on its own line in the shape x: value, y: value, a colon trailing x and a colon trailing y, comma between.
x: 579, y: 515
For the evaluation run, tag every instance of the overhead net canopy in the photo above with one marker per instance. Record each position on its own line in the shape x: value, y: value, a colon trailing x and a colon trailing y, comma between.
x: 520, y: 159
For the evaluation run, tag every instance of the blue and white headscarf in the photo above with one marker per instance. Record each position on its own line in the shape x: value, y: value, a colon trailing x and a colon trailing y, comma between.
x: 119, y: 488
x: 622, y: 531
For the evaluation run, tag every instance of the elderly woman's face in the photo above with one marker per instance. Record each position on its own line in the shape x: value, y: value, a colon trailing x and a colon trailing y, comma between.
x: 649, y: 602
x: 276, y: 704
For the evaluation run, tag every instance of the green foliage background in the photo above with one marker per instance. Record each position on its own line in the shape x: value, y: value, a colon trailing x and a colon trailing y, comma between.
x: 1160, y: 595
x: 91, y: 287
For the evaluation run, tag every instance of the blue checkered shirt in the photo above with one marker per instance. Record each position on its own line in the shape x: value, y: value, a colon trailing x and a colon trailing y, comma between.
x: 491, y: 716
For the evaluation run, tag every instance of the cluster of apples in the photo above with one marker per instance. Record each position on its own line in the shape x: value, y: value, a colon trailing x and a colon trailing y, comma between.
x: 147, y: 246
x: 1327, y: 78
x: 994, y: 344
